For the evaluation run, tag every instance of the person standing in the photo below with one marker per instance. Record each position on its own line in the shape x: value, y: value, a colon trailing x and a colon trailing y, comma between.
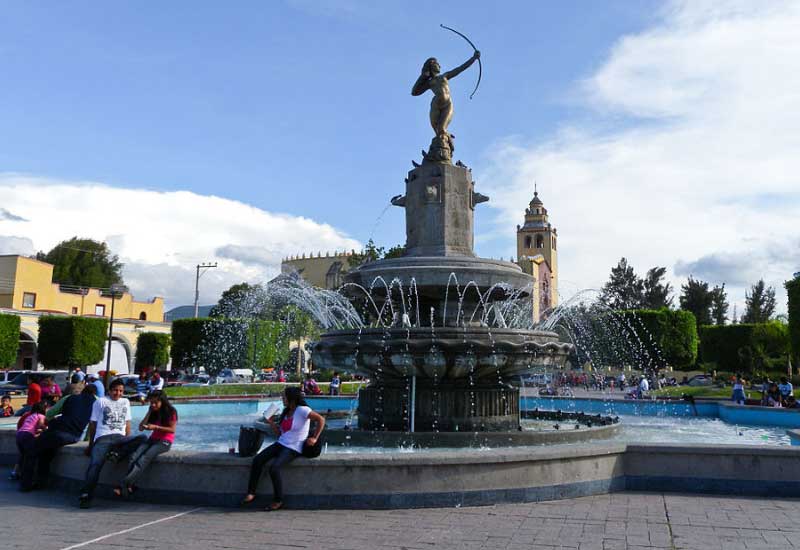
x: 292, y: 430
x: 336, y: 383
x: 66, y: 422
x: 161, y: 419
x: 100, y: 389
x: 109, y: 428
x: 738, y: 395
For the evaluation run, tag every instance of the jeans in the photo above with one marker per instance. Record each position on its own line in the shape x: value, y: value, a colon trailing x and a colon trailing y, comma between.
x: 44, y: 450
x: 279, y: 455
x: 142, y: 457
x: 102, y: 445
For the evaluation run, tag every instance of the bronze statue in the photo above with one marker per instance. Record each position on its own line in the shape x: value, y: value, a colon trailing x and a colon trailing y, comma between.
x: 441, y: 114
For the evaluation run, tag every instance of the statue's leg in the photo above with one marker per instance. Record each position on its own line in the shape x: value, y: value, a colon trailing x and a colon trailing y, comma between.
x: 435, y: 114
x: 445, y: 116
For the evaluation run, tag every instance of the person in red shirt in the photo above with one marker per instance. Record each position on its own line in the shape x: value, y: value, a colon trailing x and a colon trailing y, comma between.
x: 34, y: 391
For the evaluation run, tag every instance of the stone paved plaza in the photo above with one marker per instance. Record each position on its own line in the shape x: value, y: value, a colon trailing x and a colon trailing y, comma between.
x: 51, y: 521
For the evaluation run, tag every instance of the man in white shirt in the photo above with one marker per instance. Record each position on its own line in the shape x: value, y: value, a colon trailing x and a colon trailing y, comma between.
x: 109, y: 429
x: 644, y: 386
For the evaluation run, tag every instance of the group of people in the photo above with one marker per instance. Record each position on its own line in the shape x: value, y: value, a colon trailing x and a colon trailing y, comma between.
x: 310, y: 386
x: 45, y: 427
x: 147, y: 384
x: 774, y: 394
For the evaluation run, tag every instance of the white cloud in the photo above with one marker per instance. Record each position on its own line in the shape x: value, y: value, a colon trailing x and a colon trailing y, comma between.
x: 160, y: 236
x: 709, y: 104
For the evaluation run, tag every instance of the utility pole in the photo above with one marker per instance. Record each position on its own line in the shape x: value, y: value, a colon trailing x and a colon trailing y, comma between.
x: 204, y: 267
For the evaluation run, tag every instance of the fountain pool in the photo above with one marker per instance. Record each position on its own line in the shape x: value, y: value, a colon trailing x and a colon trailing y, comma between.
x: 214, y: 426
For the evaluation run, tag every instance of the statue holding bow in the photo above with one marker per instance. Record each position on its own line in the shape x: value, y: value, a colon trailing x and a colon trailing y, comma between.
x: 442, y: 104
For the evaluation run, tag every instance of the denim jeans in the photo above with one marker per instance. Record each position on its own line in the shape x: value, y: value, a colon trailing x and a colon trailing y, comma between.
x: 279, y: 455
x: 124, y: 445
x: 44, y: 450
x: 142, y: 457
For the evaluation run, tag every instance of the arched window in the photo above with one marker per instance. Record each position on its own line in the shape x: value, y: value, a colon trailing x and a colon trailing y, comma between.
x: 143, y: 316
x: 539, y: 241
x: 528, y: 241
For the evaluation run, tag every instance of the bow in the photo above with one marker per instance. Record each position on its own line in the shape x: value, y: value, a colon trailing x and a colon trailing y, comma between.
x: 480, y: 66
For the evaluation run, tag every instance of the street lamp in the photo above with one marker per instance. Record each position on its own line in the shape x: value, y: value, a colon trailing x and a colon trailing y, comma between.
x: 204, y: 267
x: 115, y: 290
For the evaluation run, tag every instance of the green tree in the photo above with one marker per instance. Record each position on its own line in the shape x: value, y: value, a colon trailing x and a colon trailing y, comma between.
x: 83, y: 262
x: 624, y: 290
x: 240, y: 301
x: 759, y: 303
x: 373, y: 253
x: 696, y: 298
x: 187, y: 337
x: 71, y: 341
x: 397, y: 251
x: 656, y: 290
x: 719, y: 305
x: 152, y: 350
x: 9, y: 339
x: 793, y: 295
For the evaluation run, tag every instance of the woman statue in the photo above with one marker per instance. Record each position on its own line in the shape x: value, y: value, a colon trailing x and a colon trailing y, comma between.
x: 441, y: 104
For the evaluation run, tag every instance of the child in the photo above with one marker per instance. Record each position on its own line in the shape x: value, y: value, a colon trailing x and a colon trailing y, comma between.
x: 5, y: 407
x: 29, y: 427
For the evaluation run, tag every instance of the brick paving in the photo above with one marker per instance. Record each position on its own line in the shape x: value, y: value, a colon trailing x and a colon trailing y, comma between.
x: 51, y: 521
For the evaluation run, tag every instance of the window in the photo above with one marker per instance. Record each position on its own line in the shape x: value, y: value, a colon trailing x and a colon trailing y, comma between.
x: 28, y: 299
x: 143, y: 316
x: 528, y: 241
x: 74, y: 310
x: 539, y: 241
x: 100, y: 310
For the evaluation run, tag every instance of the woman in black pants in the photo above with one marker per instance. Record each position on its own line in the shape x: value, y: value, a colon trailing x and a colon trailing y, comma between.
x: 292, y: 430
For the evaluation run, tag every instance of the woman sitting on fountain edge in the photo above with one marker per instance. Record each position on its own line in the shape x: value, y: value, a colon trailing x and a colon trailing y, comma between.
x: 292, y: 430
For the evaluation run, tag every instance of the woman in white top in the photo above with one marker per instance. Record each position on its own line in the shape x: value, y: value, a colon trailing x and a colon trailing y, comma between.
x: 292, y: 430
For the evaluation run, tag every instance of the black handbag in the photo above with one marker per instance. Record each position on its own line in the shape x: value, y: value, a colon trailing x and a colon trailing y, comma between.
x: 250, y: 440
x: 312, y: 451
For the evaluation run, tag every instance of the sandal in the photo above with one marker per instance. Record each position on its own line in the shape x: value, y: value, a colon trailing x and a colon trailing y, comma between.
x: 247, y: 500
x: 118, y: 491
x: 130, y: 489
x: 274, y: 507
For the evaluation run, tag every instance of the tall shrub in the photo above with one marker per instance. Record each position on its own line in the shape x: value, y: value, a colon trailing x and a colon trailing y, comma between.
x: 152, y: 350
x: 71, y: 341
x: 745, y: 347
x: 666, y: 336
x: 187, y: 336
x: 9, y: 339
x: 793, y: 291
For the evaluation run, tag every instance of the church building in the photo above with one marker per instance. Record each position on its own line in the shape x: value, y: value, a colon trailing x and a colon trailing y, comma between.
x: 537, y: 254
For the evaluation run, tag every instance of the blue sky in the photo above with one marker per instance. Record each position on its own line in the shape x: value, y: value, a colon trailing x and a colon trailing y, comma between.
x: 302, y: 111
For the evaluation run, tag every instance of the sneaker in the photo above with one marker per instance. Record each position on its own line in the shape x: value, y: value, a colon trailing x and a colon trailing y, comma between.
x: 84, y: 501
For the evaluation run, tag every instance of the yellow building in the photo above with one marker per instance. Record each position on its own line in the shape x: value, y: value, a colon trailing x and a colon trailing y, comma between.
x: 321, y: 271
x: 27, y: 290
x: 537, y: 254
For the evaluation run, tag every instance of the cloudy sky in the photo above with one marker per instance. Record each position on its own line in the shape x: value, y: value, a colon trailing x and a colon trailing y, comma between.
x: 663, y: 132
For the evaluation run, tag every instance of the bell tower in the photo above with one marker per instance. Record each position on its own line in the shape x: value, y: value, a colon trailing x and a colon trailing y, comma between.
x: 537, y: 251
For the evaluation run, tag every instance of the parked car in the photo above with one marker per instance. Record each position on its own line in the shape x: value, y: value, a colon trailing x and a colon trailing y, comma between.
x: 267, y: 377
x: 538, y: 379
x: 700, y: 380
x: 195, y: 380
x: 20, y: 382
x: 235, y: 376
x: 7, y: 376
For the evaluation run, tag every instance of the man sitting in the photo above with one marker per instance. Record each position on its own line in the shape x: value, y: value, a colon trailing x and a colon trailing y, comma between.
x: 109, y: 429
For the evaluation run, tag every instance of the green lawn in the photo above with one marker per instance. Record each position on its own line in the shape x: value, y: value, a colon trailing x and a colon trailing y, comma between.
x: 249, y: 389
x: 702, y: 391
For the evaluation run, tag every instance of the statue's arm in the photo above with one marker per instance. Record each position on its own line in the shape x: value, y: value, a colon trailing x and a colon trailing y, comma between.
x: 463, y: 67
x: 421, y: 85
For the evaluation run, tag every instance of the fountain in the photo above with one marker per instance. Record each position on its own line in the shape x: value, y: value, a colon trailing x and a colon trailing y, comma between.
x: 441, y: 332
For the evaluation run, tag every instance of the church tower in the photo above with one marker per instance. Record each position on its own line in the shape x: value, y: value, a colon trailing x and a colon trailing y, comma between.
x: 537, y: 253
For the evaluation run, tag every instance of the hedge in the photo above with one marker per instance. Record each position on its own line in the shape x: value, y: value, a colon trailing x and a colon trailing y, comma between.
x: 152, y: 350
x: 793, y: 292
x: 71, y: 341
x: 9, y: 339
x: 668, y: 337
x: 187, y: 336
x: 745, y: 347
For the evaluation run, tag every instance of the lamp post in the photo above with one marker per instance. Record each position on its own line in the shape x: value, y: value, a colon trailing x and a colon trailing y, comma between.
x: 116, y: 289
x: 204, y: 267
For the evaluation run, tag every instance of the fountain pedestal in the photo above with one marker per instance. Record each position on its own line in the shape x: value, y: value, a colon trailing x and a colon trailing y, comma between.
x: 443, y: 407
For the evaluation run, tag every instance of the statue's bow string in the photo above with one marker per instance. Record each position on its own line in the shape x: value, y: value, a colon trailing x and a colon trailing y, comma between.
x: 480, y: 65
